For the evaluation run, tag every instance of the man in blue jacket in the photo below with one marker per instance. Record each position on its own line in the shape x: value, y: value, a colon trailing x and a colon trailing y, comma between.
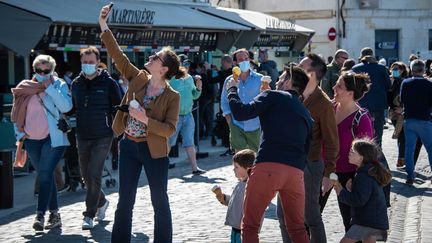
x: 376, y: 99
x: 416, y: 97
x: 94, y: 94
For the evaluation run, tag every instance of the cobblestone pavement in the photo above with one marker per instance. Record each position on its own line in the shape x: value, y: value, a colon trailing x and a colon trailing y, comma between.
x: 199, y: 217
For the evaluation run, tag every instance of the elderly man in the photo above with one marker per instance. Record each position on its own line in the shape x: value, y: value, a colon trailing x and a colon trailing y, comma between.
x: 333, y: 70
x: 416, y: 97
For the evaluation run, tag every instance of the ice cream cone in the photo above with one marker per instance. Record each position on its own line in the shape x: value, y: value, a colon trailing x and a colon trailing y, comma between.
x: 236, y: 73
x: 265, y: 83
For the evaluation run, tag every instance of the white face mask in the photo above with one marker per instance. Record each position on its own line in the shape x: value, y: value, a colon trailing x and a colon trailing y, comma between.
x: 88, y: 69
x: 244, y: 66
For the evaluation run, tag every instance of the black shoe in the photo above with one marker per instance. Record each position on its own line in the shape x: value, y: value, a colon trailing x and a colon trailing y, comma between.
x: 228, y: 152
x: 198, y: 172
x: 409, y: 181
x: 171, y: 166
x: 38, y: 223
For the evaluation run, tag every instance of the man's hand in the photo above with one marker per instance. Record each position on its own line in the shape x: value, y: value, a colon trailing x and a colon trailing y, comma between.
x: 198, y: 82
x: 327, y: 184
x: 231, y: 83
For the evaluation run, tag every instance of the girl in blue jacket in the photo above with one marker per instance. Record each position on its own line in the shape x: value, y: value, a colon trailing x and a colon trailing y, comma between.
x: 369, y: 220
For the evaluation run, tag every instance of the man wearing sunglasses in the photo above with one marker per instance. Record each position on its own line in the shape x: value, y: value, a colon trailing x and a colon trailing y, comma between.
x: 94, y: 94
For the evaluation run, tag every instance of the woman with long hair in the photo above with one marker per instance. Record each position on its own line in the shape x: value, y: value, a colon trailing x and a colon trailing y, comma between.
x: 147, y: 117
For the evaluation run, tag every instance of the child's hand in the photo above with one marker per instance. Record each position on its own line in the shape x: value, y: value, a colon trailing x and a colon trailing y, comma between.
x: 348, y: 185
x: 221, y: 198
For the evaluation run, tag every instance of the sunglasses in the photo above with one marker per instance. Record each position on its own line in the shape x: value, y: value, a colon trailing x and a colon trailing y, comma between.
x: 39, y: 71
x: 155, y: 57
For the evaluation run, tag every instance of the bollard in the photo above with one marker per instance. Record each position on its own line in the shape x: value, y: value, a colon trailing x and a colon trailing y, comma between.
x: 6, y: 180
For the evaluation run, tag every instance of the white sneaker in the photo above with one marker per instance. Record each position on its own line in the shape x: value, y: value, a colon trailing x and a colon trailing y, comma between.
x: 100, y: 213
x: 87, y: 223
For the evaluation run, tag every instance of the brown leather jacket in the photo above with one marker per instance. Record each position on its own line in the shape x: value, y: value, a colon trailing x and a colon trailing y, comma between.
x: 163, y: 112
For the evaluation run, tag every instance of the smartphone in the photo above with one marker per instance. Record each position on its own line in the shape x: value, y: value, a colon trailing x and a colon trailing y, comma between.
x: 111, y: 5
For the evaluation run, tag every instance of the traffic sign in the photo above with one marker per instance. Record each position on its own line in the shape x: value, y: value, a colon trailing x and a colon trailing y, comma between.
x: 332, y: 34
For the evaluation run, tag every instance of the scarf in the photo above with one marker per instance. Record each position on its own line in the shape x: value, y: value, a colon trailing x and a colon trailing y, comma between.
x: 21, y: 97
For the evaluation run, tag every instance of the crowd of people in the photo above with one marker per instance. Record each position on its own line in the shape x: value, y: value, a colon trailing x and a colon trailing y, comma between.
x: 315, y: 128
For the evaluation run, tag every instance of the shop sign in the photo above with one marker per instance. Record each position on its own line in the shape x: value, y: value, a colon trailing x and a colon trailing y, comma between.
x: 386, y: 45
x: 279, y: 24
x: 126, y: 16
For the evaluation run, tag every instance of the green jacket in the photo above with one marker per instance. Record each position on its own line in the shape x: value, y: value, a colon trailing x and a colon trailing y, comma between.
x: 330, y: 78
x: 188, y: 92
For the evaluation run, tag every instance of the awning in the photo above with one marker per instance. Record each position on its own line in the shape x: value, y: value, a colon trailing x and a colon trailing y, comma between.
x: 20, y: 30
x: 269, y: 31
x: 34, y: 17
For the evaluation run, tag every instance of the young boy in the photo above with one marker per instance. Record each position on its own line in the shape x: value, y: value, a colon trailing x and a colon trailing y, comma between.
x: 242, y: 162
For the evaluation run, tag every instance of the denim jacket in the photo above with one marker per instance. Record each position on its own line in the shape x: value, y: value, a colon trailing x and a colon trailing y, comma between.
x: 58, y: 100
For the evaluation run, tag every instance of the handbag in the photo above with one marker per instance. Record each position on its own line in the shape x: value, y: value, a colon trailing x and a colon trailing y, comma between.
x: 20, y: 155
x: 62, y: 123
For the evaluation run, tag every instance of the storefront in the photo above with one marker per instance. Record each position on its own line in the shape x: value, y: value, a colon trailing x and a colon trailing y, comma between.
x: 61, y: 28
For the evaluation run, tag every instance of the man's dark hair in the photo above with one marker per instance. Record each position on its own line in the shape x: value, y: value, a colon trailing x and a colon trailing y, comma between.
x: 234, y: 55
x: 417, y: 67
x: 318, y: 65
x: 245, y: 158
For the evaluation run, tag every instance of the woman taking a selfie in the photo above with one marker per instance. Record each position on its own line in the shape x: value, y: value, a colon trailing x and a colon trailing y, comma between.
x: 147, y: 123
x: 37, y: 115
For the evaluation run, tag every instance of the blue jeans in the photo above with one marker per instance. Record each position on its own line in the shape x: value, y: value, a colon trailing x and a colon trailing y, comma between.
x: 416, y: 129
x: 235, y: 235
x: 133, y: 156
x: 44, y: 159
x: 185, y: 125
x: 378, y: 125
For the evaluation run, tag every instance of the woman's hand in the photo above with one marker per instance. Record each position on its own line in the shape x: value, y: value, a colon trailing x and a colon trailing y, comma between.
x: 231, y: 83
x: 139, y: 114
x: 103, y: 15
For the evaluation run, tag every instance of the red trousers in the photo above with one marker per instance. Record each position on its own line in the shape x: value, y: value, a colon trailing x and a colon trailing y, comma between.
x: 266, y: 179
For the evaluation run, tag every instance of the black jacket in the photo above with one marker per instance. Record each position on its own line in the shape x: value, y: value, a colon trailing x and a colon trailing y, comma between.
x: 369, y: 207
x: 94, y: 102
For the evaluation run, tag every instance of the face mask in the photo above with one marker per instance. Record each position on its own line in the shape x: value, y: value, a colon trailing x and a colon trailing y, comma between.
x: 244, y: 66
x: 40, y: 78
x: 214, y: 73
x: 395, y: 73
x: 88, y: 69
x: 198, y: 70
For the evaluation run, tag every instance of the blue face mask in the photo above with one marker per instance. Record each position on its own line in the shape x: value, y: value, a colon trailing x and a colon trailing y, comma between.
x: 244, y: 66
x: 88, y: 69
x: 40, y: 78
x: 214, y: 73
x: 396, y: 74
